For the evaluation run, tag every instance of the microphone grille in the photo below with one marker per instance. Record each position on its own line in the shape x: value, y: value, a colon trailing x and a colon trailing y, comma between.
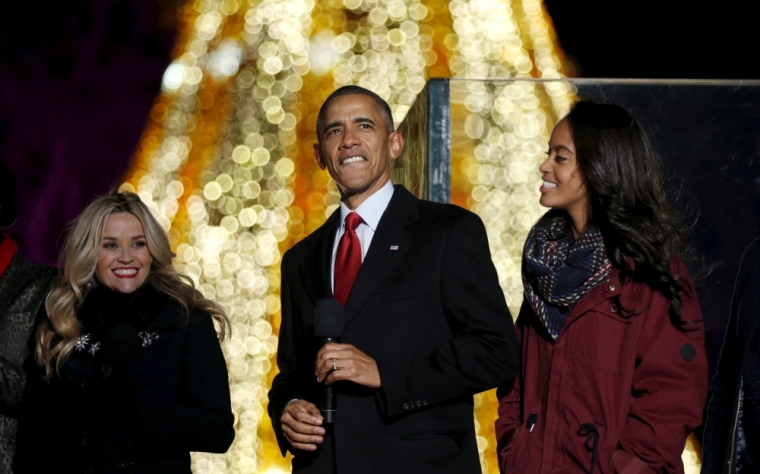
x: 329, y: 318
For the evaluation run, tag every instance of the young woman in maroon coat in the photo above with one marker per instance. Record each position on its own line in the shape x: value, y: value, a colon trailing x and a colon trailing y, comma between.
x: 614, y: 372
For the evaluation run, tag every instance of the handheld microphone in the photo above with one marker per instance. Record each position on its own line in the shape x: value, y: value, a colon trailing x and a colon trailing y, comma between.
x: 329, y: 320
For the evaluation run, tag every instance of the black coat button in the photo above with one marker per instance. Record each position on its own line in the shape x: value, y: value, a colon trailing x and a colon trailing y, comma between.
x: 688, y: 352
x: 406, y: 406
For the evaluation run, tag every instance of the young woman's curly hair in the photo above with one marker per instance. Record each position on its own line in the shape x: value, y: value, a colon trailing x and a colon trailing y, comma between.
x: 627, y: 201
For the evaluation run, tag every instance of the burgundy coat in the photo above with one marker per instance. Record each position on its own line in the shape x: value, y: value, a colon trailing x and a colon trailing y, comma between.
x: 639, y: 382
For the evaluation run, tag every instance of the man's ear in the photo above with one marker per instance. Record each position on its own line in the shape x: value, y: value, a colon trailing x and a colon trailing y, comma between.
x: 318, y: 156
x: 396, y: 144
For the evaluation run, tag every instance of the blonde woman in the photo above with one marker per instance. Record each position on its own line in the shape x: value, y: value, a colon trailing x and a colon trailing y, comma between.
x: 130, y: 372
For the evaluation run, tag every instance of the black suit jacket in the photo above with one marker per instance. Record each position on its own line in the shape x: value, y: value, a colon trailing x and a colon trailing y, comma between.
x: 721, y: 422
x: 427, y: 306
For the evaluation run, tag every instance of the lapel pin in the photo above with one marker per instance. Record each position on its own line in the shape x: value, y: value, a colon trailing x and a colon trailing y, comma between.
x: 394, y: 247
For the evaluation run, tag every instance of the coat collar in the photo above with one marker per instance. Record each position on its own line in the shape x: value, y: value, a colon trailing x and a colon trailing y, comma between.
x: 171, y: 317
x: 608, y: 295
x: 150, y: 334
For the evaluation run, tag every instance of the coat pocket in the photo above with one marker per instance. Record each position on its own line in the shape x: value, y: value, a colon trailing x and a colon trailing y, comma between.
x: 433, y: 450
x: 513, y: 462
x: 625, y: 463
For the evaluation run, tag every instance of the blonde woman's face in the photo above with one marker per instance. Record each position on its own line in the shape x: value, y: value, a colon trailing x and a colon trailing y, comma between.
x: 124, y: 260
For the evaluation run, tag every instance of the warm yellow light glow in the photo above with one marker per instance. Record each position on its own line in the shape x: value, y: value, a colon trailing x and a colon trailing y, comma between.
x: 225, y: 161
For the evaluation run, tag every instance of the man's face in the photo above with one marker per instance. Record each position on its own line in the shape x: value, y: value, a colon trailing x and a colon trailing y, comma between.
x: 355, y: 148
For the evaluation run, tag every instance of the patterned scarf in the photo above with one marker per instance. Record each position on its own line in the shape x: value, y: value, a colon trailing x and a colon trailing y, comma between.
x: 557, y: 270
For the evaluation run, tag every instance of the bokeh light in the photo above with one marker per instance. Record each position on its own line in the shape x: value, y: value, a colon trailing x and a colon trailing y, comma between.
x: 226, y: 164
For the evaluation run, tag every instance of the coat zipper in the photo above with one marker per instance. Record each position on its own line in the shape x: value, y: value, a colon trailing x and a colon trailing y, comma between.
x: 531, y: 423
x: 736, y: 428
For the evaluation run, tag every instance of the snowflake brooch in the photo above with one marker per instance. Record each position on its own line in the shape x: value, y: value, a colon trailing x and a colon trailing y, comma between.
x: 94, y: 348
x: 82, y: 342
x: 147, y: 338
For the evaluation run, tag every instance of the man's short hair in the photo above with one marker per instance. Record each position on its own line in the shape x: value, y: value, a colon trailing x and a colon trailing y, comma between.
x: 382, y: 106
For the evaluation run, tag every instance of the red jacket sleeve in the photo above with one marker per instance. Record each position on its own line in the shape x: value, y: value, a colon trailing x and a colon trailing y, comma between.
x: 669, y: 382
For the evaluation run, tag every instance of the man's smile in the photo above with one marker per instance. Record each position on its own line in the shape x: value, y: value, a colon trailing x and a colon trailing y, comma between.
x: 352, y: 159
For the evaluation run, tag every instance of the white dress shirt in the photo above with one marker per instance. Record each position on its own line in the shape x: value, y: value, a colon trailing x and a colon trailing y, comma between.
x: 371, y: 210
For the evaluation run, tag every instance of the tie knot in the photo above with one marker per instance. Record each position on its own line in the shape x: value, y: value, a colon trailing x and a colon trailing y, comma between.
x: 353, y: 220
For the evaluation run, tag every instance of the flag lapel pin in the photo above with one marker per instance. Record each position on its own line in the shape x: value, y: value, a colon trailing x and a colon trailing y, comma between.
x: 394, y: 247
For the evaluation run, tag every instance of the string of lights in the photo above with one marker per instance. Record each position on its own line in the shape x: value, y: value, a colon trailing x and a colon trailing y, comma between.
x: 225, y: 160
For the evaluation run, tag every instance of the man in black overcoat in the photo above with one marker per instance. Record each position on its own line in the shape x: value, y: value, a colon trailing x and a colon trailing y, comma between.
x: 731, y: 441
x: 23, y: 288
x: 426, y: 323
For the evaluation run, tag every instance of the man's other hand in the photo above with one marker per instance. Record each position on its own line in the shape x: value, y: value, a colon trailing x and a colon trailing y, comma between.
x: 301, y: 425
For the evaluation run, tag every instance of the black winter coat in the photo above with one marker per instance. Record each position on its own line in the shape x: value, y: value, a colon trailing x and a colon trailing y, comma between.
x: 720, y: 434
x: 141, y: 409
x: 23, y: 287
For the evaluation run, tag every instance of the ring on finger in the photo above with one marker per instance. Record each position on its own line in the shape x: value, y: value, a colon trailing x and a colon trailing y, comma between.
x: 334, y: 366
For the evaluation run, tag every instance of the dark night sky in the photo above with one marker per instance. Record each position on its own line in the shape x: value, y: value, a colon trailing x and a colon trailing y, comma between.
x: 658, y: 39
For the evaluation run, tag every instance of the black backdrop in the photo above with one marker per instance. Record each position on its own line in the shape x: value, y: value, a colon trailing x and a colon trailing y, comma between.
x: 707, y: 139
x: 658, y: 39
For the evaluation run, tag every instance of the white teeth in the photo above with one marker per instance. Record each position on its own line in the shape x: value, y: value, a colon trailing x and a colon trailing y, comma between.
x: 125, y: 271
x: 548, y: 184
x: 353, y: 159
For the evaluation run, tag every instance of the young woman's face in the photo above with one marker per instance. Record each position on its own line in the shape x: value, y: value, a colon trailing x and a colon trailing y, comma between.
x: 124, y: 260
x: 563, y: 187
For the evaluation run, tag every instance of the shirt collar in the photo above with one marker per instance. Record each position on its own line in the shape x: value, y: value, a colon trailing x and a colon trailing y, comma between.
x: 372, y: 209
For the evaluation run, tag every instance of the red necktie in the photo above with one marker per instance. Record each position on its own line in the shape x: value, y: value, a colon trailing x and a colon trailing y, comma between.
x: 348, y: 259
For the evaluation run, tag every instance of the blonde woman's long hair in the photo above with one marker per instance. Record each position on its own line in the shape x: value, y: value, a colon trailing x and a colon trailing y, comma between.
x: 57, y: 335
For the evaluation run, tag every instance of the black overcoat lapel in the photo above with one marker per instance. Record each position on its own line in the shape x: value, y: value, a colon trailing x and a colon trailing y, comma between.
x: 389, y: 245
x: 315, y: 274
